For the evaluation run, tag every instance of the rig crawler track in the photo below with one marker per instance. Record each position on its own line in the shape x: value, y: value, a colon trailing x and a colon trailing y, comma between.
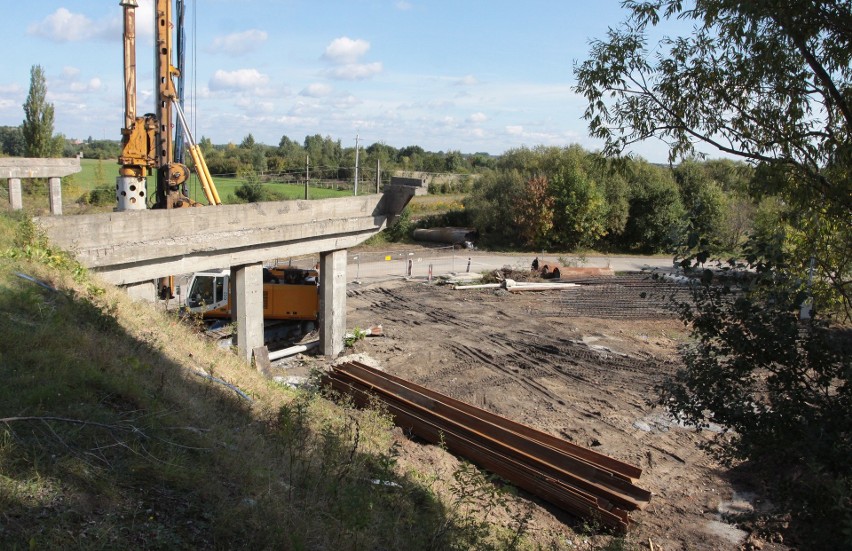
x: 576, y: 479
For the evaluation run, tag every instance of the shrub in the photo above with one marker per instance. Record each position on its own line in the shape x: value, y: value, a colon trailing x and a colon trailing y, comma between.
x: 99, y: 197
x: 782, y: 387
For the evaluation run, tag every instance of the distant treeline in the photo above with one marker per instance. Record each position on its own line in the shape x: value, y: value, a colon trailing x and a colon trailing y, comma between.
x: 570, y: 199
x: 325, y: 157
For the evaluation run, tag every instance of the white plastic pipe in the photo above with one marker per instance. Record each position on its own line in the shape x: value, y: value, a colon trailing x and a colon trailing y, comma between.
x: 541, y: 287
x: 479, y: 286
x: 284, y: 352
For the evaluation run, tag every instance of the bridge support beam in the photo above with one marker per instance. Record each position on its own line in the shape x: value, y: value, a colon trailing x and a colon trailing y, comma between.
x: 247, y: 302
x: 15, y: 168
x: 15, y: 199
x: 332, y: 302
x: 54, y: 191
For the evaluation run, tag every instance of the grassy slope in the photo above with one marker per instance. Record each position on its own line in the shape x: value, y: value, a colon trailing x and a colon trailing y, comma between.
x: 142, y: 452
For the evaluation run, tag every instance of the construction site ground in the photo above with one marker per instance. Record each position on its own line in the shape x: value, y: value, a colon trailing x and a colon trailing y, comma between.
x: 581, y: 364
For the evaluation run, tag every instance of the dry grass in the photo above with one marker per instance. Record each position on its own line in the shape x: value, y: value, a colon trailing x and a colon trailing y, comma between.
x: 110, y: 439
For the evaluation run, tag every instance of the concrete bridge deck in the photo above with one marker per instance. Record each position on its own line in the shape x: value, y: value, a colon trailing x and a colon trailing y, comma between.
x: 133, y: 248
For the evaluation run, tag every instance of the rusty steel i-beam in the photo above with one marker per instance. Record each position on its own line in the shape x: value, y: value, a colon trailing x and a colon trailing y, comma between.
x: 574, y: 478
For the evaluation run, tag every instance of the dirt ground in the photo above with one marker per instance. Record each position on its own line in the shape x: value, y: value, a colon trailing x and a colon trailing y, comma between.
x: 581, y: 364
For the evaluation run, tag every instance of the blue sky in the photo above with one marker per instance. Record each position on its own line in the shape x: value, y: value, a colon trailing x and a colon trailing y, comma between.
x: 468, y: 75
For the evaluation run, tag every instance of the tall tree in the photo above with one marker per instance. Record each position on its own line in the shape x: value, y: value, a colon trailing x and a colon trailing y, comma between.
x: 770, y: 82
x: 248, y: 142
x: 38, y: 121
x: 492, y: 204
x: 759, y: 79
x: 765, y: 81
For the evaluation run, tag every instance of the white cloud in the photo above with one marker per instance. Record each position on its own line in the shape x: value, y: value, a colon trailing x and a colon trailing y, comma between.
x: 544, y: 138
x: 63, y: 26
x: 238, y: 43
x: 316, y: 90
x: 144, y: 19
x: 344, y: 50
x: 241, y: 79
x: 344, y: 53
x: 10, y: 89
x: 303, y: 109
x: 402, y: 5
x: 355, y: 71
x: 252, y: 106
x: 66, y: 26
x: 93, y: 85
x: 346, y: 102
x: 477, y: 118
x: 467, y: 80
x: 69, y: 88
x: 439, y: 105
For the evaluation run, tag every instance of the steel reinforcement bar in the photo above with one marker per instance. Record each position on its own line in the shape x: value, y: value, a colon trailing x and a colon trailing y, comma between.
x: 573, y: 478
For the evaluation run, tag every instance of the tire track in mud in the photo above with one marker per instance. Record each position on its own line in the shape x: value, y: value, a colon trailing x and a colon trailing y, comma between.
x: 523, y: 357
x: 392, y: 303
x: 519, y: 360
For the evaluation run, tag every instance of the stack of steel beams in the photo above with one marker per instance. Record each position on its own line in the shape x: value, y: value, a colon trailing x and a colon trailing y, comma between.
x: 576, y: 479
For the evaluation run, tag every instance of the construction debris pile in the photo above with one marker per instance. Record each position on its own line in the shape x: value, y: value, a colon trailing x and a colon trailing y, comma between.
x: 576, y: 479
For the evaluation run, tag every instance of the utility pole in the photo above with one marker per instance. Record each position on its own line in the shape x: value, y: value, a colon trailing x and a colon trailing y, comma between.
x: 307, y: 174
x: 356, y: 164
x: 378, y: 173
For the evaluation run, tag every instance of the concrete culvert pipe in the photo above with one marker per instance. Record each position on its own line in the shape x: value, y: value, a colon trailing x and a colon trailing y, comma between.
x: 445, y: 235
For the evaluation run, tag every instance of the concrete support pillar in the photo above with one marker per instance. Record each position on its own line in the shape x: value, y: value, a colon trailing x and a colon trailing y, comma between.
x: 332, y: 302
x: 54, y: 190
x: 15, y: 198
x: 248, y: 305
x: 146, y: 290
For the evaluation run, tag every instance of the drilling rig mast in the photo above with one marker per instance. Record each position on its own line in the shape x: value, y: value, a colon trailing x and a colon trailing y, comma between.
x: 147, y: 144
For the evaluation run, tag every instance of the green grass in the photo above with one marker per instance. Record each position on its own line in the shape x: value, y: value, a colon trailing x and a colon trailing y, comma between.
x: 97, y: 173
x: 110, y: 440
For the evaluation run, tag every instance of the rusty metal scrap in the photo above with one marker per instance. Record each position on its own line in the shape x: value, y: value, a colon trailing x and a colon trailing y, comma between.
x: 574, y: 478
x: 555, y: 271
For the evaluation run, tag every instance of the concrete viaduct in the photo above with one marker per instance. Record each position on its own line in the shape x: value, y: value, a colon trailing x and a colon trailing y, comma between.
x: 133, y: 248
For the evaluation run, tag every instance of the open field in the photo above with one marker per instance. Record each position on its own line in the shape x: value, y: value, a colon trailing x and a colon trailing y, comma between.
x: 98, y: 173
